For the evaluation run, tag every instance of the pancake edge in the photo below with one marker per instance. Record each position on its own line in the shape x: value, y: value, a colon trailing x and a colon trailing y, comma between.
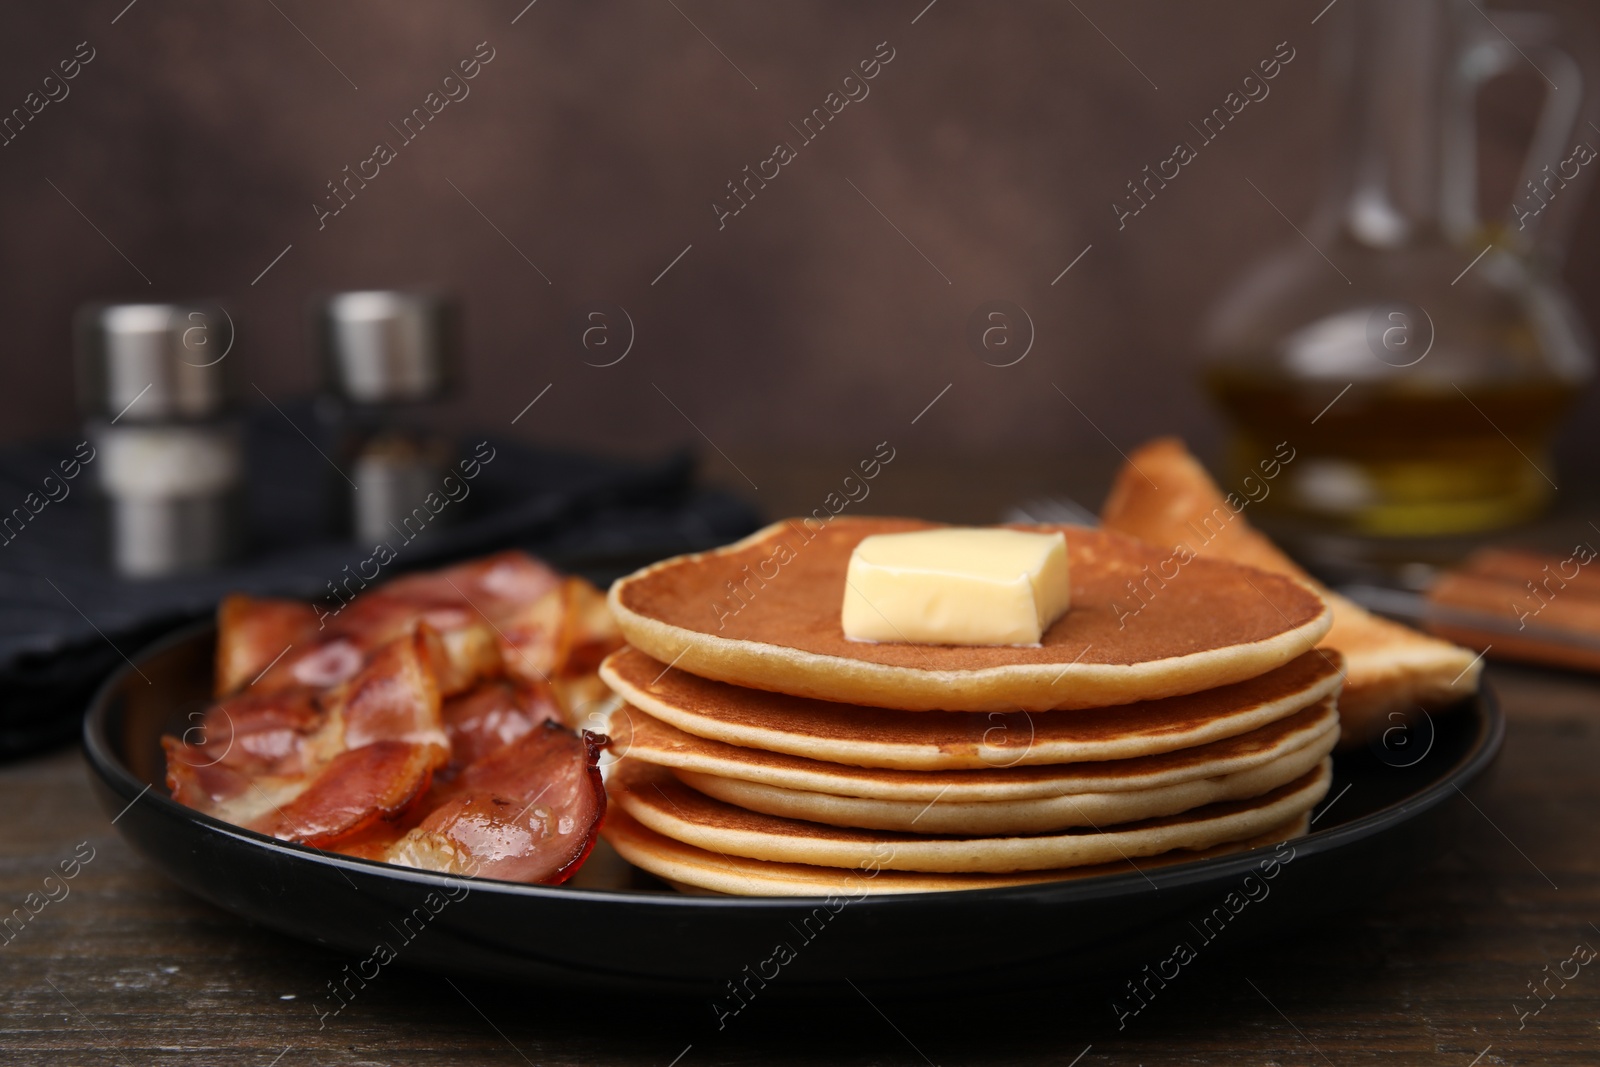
x: 798, y: 778
x: 1002, y: 817
x: 694, y: 870
x: 986, y: 855
x: 1014, y: 687
x: 890, y: 756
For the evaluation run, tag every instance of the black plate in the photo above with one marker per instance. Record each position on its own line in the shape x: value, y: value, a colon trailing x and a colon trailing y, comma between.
x: 1391, y: 808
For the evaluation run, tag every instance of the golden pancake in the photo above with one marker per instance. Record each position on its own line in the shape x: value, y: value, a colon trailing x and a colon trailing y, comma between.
x: 764, y: 613
x: 654, y: 797
x: 640, y: 736
x: 695, y: 870
x: 999, y: 817
x: 874, y: 737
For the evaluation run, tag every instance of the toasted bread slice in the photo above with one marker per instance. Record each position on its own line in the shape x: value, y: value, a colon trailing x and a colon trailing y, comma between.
x: 1163, y: 496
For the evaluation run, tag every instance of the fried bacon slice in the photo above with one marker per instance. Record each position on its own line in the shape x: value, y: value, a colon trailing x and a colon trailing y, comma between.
x: 313, y: 645
x: 535, y: 640
x: 259, y: 733
x: 197, y: 781
x: 419, y: 723
x: 395, y: 697
x: 560, y: 639
x: 529, y: 812
x: 254, y: 739
x: 492, y: 716
x: 470, y: 656
x: 259, y: 755
x: 357, y: 788
x: 495, y: 585
x: 253, y: 632
x: 594, y: 633
x: 226, y: 792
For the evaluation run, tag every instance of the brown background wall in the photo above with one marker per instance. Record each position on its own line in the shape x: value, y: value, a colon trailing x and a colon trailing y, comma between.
x: 201, y: 134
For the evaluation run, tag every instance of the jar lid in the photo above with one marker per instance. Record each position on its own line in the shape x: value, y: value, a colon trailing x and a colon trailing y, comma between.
x: 153, y: 362
x: 386, y: 346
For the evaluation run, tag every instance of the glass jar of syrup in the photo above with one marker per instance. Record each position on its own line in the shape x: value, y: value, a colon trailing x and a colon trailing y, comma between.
x: 1418, y: 359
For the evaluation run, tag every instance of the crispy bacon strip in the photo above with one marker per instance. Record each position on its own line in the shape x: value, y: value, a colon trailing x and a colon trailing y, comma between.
x: 238, y: 741
x: 592, y: 636
x: 526, y: 813
x: 197, y: 780
x: 275, y: 761
x: 334, y: 724
x: 263, y: 733
x: 471, y: 655
x: 225, y: 792
x: 495, y: 585
x: 396, y: 697
x: 594, y: 633
x: 466, y: 604
x: 357, y: 788
x: 253, y: 632
x: 492, y: 716
x: 535, y: 640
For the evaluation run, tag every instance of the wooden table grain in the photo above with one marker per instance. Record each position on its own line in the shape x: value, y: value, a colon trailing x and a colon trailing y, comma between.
x: 127, y: 969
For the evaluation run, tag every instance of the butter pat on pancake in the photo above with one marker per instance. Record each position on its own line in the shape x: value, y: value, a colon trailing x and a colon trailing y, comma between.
x: 875, y: 737
x: 956, y: 586
x: 764, y: 613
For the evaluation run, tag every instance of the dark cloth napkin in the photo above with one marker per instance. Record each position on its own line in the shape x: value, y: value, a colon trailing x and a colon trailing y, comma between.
x: 66, y: 620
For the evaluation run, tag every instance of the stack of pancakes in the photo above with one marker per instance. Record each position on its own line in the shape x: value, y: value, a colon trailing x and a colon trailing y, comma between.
x: 761, y: 752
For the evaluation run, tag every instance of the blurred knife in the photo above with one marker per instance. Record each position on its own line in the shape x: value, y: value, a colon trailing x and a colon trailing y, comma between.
x: 1524, y: 640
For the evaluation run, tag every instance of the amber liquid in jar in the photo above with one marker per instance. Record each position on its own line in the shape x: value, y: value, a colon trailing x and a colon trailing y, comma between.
x: 1395, y: 460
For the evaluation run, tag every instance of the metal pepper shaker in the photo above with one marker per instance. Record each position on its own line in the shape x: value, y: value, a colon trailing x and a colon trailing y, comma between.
x: 390, y: 357
x: 155, y: 390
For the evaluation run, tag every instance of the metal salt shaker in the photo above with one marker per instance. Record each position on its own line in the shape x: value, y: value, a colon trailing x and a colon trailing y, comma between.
x: 389, y: 357
x: 155, y: 391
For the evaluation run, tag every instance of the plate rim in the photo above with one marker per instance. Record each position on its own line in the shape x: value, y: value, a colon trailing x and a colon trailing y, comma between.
x: 101, y: 755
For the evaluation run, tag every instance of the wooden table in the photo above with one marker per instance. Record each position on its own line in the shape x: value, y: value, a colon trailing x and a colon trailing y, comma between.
x: 127, y: 969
